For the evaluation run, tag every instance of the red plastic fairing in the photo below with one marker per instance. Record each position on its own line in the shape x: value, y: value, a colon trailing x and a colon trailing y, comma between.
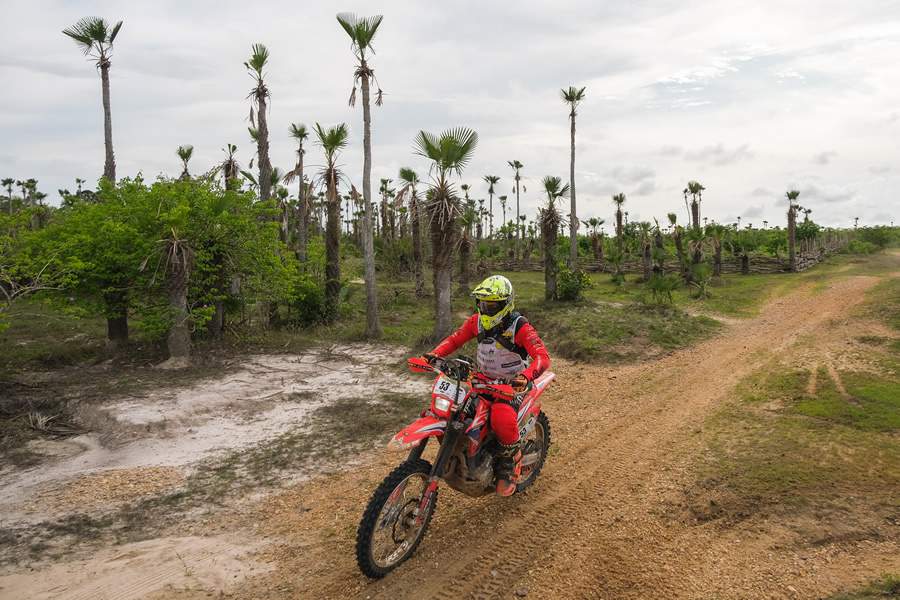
x: 419, y: 365
x: 417, y: 431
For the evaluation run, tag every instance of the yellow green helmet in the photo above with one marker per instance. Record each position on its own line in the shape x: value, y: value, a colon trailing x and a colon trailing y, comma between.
x: 494, y: 299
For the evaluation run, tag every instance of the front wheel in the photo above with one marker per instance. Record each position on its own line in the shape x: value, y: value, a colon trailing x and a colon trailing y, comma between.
x: 534, y: 452
x: 388, y: 534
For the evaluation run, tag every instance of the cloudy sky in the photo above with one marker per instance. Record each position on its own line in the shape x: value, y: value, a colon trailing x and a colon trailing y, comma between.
x: 750, y: 98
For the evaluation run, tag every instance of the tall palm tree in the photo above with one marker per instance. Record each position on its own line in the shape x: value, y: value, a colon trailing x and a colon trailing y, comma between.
x: 573, y: 97
x: 362, y: 32
x: 185, y: 153
x: 695, y: 189
x: 384, y: 189
x: 412, y: 180
x: 300, y: 134
x: 449, y: 153
x: 8, y: 184
x: 619, y: 200
x: 502, y: 200
x: 491, y: 180
x: 466, y: 220
x: 95, y: 38
x: 516, y: 166
x: 332, y: 141
x: 260, y: 96
x: 550, y: 221
x: 792, y: 196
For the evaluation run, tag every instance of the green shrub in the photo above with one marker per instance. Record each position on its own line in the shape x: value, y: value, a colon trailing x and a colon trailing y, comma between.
x: 570, y: 285
x: 861, y: 247
x: 661, y: 287
x: 308, y: 300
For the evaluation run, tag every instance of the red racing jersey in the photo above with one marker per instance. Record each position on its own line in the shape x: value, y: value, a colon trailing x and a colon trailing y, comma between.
x: 526, y: 337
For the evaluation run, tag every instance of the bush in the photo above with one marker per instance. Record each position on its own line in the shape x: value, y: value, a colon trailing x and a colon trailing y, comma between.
x: 701, y: 275
x: 880, y: 236
x: 308, y: 300
x: 861, y: 247
x: 570, y: 285
x: 661, y: 287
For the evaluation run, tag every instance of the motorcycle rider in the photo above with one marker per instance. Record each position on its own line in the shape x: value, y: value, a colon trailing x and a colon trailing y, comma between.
x: 509, y: 349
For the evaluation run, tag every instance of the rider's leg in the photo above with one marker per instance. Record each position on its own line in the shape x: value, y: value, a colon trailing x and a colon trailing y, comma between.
x: 505, y: 424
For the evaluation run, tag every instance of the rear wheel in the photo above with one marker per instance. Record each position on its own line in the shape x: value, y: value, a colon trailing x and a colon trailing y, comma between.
x: 534, y: 452
x: 388, y: 534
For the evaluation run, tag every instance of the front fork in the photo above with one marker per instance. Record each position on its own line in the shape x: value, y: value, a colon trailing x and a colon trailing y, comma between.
x: 448, y: 444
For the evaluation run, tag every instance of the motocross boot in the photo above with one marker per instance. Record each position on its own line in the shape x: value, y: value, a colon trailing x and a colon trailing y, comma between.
x: 509, y: 467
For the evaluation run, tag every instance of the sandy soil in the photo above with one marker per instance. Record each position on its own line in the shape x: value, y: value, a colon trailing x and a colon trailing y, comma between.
x: 599, y: 523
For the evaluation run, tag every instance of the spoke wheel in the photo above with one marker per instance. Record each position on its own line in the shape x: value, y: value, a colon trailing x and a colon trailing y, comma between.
x: 534, y: 448
x: 388, y: 533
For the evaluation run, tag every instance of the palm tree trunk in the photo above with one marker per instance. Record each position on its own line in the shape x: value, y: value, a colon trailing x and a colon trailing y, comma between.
x: 490, y: 214
x: 109, y: 165
x: 444, y: 235
x: 116, y: 304
x: 573, y: 219
x: 373, y: 328
x: 682, y: 258
x: 549, y: 224
x: 619, y: 228
x: 792, y: 239
x: 262, y: 148
x: 302, y: 217
x: 695, y: 214
x: 417, y: 246
x: 518, y: 233
x: 179, y: 339
x: 333, y: 251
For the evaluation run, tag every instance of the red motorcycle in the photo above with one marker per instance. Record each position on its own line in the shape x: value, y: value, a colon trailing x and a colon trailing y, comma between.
x: 401, y: 508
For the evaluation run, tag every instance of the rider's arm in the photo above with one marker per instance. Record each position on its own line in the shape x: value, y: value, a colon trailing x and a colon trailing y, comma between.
x: 455, y: 340
x: 529, y: 339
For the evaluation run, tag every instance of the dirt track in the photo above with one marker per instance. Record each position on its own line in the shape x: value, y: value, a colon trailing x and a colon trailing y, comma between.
x: 599, y: 522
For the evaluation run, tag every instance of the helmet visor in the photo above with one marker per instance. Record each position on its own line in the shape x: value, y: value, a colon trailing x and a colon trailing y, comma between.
x: 490, y: 307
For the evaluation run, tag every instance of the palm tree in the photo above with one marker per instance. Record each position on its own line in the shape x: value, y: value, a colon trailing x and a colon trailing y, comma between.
x: 516, y: 166
x: 362, y: 32
x: 502, y: 200
x: 792, y: 196
x: 332, y: 141
x: 573, y: 97
x: 412, y: 180
x: 185, y: 153
x: 95, y: 38
x: 8, y: 184
x: 491, y: 180
x: 260, y: 95
x: 646, y: 249
x: 449, y: 153
x: 619, y: 200
x: 384, y: 189
x: 695, y: 189
x: 550, y: 221
x: 230, y: 167
x: 300, y: 134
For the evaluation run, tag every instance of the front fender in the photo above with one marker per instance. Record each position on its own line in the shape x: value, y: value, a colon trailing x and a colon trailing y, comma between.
x: 418, y: 430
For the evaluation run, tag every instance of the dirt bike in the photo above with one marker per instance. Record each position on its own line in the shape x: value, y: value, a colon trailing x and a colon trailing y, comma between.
x: 398, y: 514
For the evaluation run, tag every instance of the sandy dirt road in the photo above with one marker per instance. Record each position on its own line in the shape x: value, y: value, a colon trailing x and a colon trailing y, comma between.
x: 599, y: 523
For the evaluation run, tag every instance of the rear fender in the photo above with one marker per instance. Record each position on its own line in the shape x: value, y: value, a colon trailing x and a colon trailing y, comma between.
x: 420, y: 429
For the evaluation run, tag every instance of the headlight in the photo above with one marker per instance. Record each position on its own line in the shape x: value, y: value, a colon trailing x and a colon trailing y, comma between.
x: 441, y: 404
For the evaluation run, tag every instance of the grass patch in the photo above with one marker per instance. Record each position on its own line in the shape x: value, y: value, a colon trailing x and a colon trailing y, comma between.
x: 591, y: 331
x: 778, y: 447
x: 886, y: 587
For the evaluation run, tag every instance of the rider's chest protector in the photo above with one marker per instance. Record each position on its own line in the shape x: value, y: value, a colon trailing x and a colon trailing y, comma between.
x: 498, y: 354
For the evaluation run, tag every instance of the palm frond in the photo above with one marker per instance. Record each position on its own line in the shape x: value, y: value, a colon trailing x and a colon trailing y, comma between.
x: 408, y: 175
x: 298, y: 131
x: 360, y: 29
x: 259, y: 56
x: 92, y: 33
x: 185, y: 152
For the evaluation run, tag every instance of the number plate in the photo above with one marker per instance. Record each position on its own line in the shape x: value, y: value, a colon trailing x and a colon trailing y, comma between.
x: 445, y: 387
